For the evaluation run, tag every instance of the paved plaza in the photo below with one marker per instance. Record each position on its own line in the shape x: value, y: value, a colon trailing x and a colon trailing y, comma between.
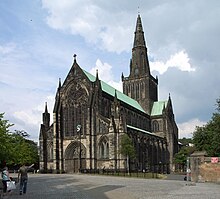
x: 79, y: 186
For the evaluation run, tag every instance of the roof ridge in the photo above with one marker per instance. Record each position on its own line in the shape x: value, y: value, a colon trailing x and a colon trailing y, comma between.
x: 111, y: 91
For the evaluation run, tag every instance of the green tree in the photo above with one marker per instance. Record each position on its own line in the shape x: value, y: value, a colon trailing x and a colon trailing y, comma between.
x: 180, y: 158
x: 207, y: 137
x: 23, y: 150
x: 186, y: 141
x: 127, y: 149
x: 15, y: 148
x: 4, y: 139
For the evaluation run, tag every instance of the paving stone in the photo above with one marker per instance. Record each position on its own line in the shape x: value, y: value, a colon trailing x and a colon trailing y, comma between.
x: 77, y: 186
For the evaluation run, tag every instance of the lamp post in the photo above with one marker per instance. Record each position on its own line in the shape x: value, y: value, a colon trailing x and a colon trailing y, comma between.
x: 78, y: 129
x: 187, y: 169
x: 128, y: 168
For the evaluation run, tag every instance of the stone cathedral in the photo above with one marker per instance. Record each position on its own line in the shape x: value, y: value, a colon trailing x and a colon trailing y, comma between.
x: 90, y: 117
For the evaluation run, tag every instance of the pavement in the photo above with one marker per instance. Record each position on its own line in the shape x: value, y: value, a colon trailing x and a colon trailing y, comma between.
x: 80, y: 186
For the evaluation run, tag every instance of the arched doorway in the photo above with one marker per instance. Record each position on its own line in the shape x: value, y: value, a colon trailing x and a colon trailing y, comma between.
x: 74, y: 160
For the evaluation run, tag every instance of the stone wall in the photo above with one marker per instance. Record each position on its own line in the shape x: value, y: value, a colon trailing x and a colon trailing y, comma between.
x: 210, y: 172
x: 204, y: 169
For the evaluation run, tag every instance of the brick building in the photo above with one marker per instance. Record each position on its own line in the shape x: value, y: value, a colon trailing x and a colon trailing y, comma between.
x: 90, y: 117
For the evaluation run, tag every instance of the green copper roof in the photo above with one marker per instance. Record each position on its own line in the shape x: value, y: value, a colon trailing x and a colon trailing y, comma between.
x: 111, y: 91
x: 158, y: 108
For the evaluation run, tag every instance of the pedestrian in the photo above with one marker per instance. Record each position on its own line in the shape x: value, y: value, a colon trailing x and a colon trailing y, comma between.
x: 23, y: 177
x: 5, y: 179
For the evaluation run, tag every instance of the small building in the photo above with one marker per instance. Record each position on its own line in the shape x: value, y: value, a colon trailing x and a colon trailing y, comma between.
x: 90, y: 117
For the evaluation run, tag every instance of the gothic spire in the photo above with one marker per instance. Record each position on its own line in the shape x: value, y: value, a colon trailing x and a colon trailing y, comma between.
x: 122, y: 77
x: 97, y: 75
x: 139, y: 65
x: 169, y: 100
x: 59, y: 84
x: 46, y: 117
x: 139, y: 34
x: 140, y: 84
x: 46, y: 111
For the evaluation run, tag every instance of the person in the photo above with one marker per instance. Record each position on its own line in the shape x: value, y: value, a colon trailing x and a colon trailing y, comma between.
x: 5, y: 178
x: 23, y: 177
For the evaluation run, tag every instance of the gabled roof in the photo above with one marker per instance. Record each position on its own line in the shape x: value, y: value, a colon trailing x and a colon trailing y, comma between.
x: 158, y: 107
x: 111, y: 91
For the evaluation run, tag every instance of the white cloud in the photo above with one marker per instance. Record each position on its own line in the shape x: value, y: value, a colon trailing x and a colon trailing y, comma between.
x: 116, y: 85
x: 30, y: 118
x: 105, y: 74
x: 27, y: 116
x: 8, y: 48
x: 186, y: 129
x: 90, y: 20
x: 33, y: 57
x: 104, y: 71
x: 179, y: 60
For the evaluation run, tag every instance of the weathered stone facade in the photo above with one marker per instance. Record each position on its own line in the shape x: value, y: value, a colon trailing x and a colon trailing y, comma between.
x: 90, y: 117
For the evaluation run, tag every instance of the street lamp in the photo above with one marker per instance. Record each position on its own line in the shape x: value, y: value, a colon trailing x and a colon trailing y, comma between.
x: 78, y: 129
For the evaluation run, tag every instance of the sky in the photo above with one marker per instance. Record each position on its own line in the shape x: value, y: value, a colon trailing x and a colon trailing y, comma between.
x: 38, y: 39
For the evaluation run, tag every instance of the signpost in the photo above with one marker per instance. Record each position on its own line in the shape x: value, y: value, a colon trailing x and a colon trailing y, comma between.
x: 187, y: 169
x: 214, y: 160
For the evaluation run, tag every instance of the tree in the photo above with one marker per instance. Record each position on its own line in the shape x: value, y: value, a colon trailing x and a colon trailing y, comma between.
x: 4, y: 139
x: 15, y: 148
x: 127, y: 149
x: 23, y: 151
x: 180, y: 158
x: 186, y: 141
x: 207, y: 137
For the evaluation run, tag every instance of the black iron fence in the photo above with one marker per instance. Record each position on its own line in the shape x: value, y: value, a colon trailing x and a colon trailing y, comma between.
x: 122, y: 173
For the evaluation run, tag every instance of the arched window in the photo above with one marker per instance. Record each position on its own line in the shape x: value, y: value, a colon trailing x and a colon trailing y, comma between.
x: 50, y: 152
x: 107, y: 150
x: 104, y: 148
x: 155, y: 126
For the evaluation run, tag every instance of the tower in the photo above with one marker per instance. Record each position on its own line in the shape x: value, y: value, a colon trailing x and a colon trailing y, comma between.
x: 140, y: 84
x: 46, y: 118
x: 105, y: 115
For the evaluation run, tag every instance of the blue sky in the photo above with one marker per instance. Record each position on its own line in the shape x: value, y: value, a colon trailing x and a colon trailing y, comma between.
x: 38, y: 40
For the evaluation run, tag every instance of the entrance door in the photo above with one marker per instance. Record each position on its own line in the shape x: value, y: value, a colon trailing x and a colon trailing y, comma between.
x: 72, y: 165
x: 73, y: 159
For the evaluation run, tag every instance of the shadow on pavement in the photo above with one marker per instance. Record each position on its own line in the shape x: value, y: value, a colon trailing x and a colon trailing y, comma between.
x: 175, y: 177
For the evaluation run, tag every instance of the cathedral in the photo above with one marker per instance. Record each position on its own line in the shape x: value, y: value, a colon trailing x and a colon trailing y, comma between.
x: 90, y: 117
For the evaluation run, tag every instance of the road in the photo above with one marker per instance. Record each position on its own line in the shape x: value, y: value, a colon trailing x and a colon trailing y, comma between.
x: 79, y: 186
